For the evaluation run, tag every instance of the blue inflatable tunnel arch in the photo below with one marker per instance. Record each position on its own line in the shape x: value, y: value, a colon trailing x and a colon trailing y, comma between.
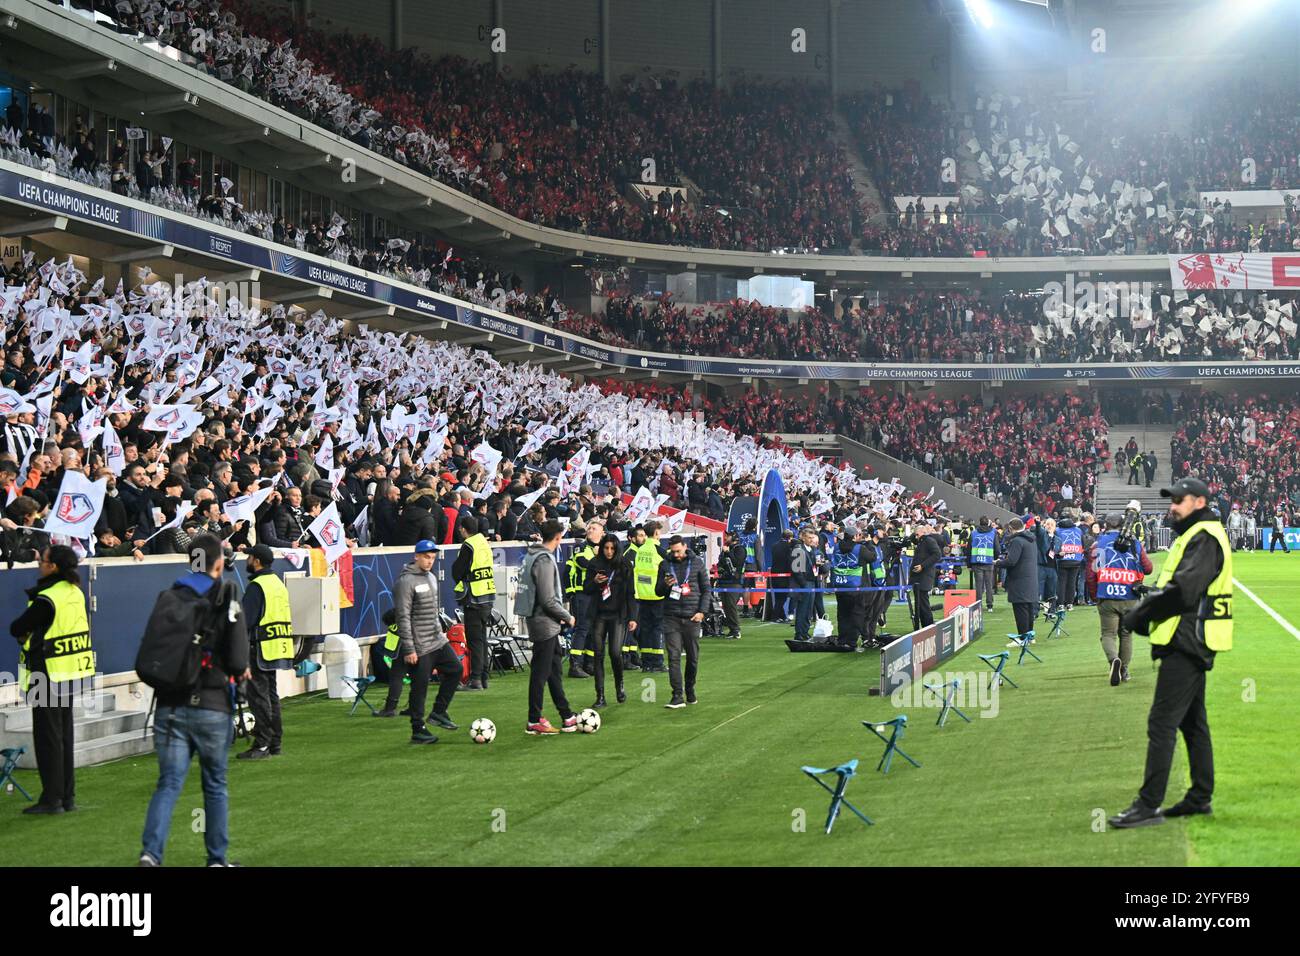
x: 773, y: 517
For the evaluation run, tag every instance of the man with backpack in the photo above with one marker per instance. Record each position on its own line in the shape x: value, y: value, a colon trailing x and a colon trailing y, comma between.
x: 194, y: 685
x: 539, y: 601
x: 266, y: 613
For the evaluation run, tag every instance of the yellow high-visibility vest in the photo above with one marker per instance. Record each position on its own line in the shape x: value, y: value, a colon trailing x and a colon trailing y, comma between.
x: 275, y: 629
x: 391, y: 640
x: 1214, y: 617
x: 68, y: 651
x: 646, y: 570
x: 482, y: 581
x: 578, y: 572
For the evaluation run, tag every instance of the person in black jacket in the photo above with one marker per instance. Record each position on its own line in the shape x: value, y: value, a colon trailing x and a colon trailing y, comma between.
x: 731, y: 565
x: 924, y: 569
x: 684, y: 584
x: 417, y: 521
x: 608, y: 585
x: 1179, y: 702
x: 1020, y: 562
x: 51, y: 701
x: 200, y: 720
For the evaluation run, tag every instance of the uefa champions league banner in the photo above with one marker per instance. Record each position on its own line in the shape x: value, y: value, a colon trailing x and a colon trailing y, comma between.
x: 910, y: 657
x: 88, y: 204
x: 1235, y: 270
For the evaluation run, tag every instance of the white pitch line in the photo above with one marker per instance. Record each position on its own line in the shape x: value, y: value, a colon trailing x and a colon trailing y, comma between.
x: 738, y: 716
x: 1283, y: 622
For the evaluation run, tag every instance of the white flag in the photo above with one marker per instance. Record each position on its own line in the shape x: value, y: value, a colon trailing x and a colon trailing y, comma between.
x: 325, y: 457
x: 530, y: 499
x: 114, y: 454
x: 244, y: 508
x: 328, y: 530
x: 362, y: 527
x: 676, y: 521
x: 77, y: 507
x: 641, y: 506
x: 487, y: 456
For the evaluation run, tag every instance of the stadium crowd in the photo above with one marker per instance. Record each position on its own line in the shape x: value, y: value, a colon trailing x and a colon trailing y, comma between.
x: 181, y: 401
x: 1244, y: 448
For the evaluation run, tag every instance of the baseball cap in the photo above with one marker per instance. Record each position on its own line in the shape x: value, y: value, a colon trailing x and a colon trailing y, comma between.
x: 424, y: 544
x: 1186, y: 486
x: 263, y: 554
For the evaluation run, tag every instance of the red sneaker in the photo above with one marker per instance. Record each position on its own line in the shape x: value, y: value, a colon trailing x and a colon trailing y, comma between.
x: 570, y: 724
x: 542, y: 727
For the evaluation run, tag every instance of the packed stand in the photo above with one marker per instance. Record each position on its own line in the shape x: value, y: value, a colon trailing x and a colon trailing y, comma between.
x: 1244, y: 447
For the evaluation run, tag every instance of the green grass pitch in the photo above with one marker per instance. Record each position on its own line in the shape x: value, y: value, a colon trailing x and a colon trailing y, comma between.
x: 719, y: 783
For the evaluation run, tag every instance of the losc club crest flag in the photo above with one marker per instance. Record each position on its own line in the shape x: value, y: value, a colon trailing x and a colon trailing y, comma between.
x: 77, y: 507
x: 328, y: 530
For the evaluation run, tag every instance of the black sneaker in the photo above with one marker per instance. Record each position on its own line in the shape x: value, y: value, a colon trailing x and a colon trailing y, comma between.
x: 691, y: 698
x: 69, y: 806
x: 473, y: 685
x: 600, y: 702
x: 1184, y: 809
x: 620, y: 695
x: 576, y: 672
x: 43, y: 808
x: 1116, y: 672
x: 677, y: 703
x: 658, y: 669
x: 424, y: 737
x: 404, y: 713
x: 386, y: 712
x: 443, y: 721
x: 254, y: 753
x: 275, y: 751
x: 1136, y: 816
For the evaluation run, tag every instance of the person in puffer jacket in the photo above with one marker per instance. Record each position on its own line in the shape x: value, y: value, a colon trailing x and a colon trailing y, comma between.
x: 422, y: 643
x: 684, y: 584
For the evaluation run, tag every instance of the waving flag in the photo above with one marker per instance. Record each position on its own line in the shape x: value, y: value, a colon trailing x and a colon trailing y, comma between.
x: 78, y: 505
x: 328, y: 530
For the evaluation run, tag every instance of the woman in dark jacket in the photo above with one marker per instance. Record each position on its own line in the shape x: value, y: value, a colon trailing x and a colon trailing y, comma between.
x: 383, y: 517
x: 51, y: 701
x: 613, y: 609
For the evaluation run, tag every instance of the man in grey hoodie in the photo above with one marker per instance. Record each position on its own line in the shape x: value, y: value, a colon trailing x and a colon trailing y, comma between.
x: 544, y: 624
x: 422, y: 643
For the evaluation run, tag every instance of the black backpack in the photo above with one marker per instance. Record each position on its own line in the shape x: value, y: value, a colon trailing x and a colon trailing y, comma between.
x: 177, y: 638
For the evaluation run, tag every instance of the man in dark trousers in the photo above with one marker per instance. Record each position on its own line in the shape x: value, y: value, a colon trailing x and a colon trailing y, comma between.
x: 850, y: 573
x: 1279, y: 531
x: 1188, y: 616
x: 476, y: 592
x: 684, y: 585
x: 544, y: 623
x: 1149, y: 466
x: 422, y: 644
x: 267, y: 618
x: 803, y: 577
x: 924, y: 568
x: 1020, y: 561
x: 731, y: 564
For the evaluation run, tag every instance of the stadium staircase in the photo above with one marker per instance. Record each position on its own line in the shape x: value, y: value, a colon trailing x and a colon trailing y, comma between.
x: 863, y: 184
x: 102, y: 732
x: 1113, y: 494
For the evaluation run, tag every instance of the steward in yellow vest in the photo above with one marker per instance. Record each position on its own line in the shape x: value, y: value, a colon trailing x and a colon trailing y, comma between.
x: 266, y: 609
x: 56, y: 655
x: 473, y: 571
x: 1188, y: 616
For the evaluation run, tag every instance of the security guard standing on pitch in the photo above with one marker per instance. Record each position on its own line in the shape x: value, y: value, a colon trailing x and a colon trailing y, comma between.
x: 57, y: 660
x: 847, y: 578
x: 649, y: 629
x: 266, y: 607
x: 983, y: 549
x: 877, y: 600
x: 473, y: 571
x: 1188, y: 616
x: 582, y: 655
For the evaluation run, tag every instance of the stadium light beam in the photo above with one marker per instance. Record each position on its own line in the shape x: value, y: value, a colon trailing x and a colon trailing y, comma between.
x: 980, y: 12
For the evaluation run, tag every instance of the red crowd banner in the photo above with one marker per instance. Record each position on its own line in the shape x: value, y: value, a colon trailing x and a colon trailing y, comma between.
x: 1235, y: 270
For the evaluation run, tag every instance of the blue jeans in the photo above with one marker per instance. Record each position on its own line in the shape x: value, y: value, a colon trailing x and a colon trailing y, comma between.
x: 1046, y: 584
x: 803, y: 608
x: 180, y: 732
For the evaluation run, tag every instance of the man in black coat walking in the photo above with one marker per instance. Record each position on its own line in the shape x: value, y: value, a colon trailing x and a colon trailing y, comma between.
x: 1020, y: 561
x: 924, y: 569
